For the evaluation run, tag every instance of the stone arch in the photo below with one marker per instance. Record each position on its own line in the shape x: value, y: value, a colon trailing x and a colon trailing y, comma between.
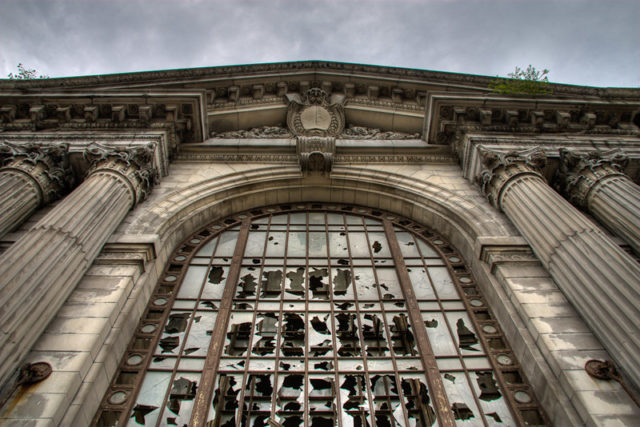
x: 462, y: 220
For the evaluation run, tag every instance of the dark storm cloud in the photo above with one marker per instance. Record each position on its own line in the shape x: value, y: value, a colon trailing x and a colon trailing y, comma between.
x: 581, y: 42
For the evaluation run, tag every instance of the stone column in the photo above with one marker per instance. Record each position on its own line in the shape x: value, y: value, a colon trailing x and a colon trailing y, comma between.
x: 39, y: 271
x: 596, y: 182
x: 32, y: 175
x: 597, y: 277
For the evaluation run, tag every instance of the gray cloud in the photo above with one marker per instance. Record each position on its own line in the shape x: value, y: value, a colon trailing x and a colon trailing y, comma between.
x: 581, y: 42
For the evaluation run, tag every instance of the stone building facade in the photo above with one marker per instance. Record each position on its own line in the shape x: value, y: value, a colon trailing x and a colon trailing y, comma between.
x: 319, y: 243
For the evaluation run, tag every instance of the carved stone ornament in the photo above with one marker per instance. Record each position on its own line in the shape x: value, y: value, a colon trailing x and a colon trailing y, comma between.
x: 315, y: 113
x: 361, y: 132
x: 260, y: 132
x: 316, y: 153
x: 135, y: 164
x: 47, y: 165
x: 502, y: 167
x: 579, y: 173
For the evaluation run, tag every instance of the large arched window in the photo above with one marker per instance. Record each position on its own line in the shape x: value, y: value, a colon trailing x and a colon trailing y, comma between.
x: 316, y: 315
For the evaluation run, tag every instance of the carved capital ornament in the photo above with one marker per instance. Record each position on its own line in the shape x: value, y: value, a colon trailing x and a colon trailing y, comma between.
x: 134, y: 165
x: 501, y: 168
x: 579, y: 174
x: 46, y: 165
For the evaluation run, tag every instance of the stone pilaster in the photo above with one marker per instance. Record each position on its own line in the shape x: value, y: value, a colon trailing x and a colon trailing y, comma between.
x: 597, y: 277
x: 39, y: 271
x: 31, y: 176
x: 596, y: 182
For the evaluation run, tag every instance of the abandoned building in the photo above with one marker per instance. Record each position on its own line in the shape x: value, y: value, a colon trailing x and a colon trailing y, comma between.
x: 317, y: 244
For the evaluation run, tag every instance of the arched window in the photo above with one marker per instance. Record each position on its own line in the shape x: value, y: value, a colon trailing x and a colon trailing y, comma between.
x: 316, y: 315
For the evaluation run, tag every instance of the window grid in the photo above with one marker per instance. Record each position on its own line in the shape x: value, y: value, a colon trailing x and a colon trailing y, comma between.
x: 400, y: 384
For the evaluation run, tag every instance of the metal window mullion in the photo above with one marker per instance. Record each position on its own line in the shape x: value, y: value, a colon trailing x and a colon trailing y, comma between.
x: 371, y: 395
x: 385, y: 325
x: 450, y: 328
x: 434, y: 380
x: 207, y: 381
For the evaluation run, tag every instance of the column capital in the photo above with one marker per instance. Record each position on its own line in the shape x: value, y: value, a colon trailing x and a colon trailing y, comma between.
x: 46, y: 165
x: 133, y: 165
x: 579, y: 173
x: 500, y: 168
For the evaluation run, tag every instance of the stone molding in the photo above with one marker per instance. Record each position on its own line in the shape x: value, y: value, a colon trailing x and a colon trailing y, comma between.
x: 315, y: 153
x: 133, y: 166
x: 580, y: 173
x: 501, y: 168
x: 46, y: 165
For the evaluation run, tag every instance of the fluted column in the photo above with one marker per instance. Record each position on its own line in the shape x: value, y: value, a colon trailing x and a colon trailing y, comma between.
x: 596, y: 276
x: 596, y: 182
x: 31, y: 176
x: 41, y: 269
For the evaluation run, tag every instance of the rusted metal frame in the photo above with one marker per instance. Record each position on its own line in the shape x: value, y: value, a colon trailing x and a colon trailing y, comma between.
x: 434, y: 380
x: 254, y: 316
x: 450, y: 328
x: 276, y: 370
x: 370, y: 394
x: 496, y: 367
x: 188, y: 329
x: 147, y: 354
x: 437, y: 242
x: 387, y: 329
x: 216, y: 345
x: 336, y: 374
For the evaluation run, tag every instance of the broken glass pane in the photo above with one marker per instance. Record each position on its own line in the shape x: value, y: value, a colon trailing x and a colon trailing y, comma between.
x: 342, y: 288
x: 318, y: 283
x: 319, y: 340
x: 151, y: 396
x: 180, y: 403
x: 271, y: 284
x: 353, y: 397
x: 491, y: 400
x: 347, y: 333
x: 401, y: 335
x: 225, y: 399
x: 374, y: 335
x: 389, y: 283
x: 293, y: 335
x: 264, y: 342
x: 407, y: 244
x: 276, y: 243
x: 417, y: 401
x: 200, y: 333
x: 366, y: 286
x: 214, y: 286
x: 295, y: 281
x: 441, y: 341
x: 461, y: 398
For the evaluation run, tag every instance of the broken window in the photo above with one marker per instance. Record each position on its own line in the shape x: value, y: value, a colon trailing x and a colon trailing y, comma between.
x: 316, y: 330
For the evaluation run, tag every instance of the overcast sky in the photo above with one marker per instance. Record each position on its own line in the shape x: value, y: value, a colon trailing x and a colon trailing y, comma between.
x: 593, y: 43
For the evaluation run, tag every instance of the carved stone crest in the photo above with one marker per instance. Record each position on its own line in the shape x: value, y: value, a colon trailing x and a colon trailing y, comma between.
x: 314, y: 113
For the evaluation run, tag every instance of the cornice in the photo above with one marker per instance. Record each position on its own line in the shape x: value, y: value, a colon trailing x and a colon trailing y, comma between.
x: 308, y: 67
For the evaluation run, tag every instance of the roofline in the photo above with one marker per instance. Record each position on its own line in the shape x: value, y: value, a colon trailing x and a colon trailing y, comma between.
x: 163, y: 76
